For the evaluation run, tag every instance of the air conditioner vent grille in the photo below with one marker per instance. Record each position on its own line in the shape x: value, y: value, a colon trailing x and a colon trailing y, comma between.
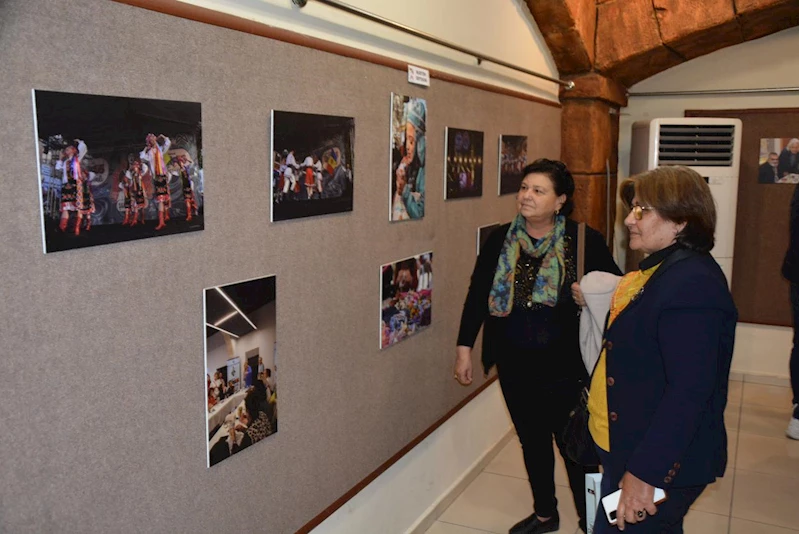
x: 696, y: 145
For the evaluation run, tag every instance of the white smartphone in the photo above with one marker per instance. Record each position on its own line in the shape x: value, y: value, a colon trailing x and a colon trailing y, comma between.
x: 611, y: 502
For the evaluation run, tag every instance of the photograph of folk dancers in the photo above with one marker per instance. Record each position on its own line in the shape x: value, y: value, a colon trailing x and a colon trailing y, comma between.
x: 312, y: 164
x: 115, y: 169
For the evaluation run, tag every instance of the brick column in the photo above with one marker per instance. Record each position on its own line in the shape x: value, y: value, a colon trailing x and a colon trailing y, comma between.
x: 590, y: 142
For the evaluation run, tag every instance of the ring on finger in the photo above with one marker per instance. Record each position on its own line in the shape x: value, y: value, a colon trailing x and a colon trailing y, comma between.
x: 640, y: 514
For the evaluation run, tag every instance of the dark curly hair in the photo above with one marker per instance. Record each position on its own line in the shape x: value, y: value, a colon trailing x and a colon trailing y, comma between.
x: 561, y: 178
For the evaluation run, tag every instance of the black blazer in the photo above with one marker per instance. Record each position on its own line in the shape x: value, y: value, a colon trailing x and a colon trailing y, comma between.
x: 767, y: 174
x: 668, y: 364
x: 785, y: 166
x: 475, y: 308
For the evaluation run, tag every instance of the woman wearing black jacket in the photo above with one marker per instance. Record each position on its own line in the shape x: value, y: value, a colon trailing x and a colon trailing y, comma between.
x: 521, y: 291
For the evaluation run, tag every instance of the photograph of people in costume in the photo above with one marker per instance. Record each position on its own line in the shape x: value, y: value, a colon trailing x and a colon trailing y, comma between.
x: 406, y: 297
x: 779, y: 161
x: 463, y: 160
x: 312, y: 164
x: 116, y: 169
x: 240, y: 368
x: 512, y: 159
x: 408, y: 126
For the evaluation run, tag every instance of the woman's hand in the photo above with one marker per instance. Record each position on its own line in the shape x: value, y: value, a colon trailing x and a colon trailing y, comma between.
x: 636, y: 501
x: 463, y: 365
x: 577, y: 294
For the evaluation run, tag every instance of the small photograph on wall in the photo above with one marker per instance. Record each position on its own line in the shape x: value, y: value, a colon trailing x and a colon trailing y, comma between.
x: 406, y: 298
x: 512, y: 160
x: 240, y: 368
x: 312, y: 164
x: 408, y: 127
x: 463, y: 161
x: 779, y: 161
x: 117, y: 169
x: 482, y: 234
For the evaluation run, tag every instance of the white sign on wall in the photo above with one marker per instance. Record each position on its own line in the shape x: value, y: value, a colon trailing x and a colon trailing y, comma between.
x: 418, y: 76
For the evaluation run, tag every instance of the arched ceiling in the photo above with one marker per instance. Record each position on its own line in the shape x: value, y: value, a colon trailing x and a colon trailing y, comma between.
x: 631, y: 40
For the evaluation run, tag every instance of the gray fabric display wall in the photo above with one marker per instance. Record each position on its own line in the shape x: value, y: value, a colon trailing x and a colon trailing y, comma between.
x: 103, y: 395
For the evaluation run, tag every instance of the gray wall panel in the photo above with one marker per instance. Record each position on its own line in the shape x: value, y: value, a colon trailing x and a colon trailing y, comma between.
x: 102, y: 348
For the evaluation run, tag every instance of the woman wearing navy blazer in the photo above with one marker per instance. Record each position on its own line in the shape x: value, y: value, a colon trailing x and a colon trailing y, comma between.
x: 660, y: 387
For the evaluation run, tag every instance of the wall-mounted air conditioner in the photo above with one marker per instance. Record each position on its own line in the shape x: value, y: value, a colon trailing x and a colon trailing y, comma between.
x: 711, y: 147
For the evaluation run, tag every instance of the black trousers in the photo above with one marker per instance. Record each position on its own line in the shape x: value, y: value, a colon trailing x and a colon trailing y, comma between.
x: 539, y: 409
x: 794, y: 363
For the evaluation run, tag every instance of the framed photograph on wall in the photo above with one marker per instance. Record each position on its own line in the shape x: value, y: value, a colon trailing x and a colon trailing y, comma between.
x: 463, y: 163
x: 240, y: 377
x: 482, y: 234
x: 115, y: 169
x: 779, y: 161
x: 313, y: 168
x: 406, y: 298
x: 407, y: 176
x: 512, y: 160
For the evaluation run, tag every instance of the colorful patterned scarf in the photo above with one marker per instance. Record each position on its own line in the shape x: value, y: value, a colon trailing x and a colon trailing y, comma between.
x: 550, y: 274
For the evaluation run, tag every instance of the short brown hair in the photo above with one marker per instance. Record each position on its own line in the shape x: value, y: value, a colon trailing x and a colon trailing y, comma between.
x: 680, y: 195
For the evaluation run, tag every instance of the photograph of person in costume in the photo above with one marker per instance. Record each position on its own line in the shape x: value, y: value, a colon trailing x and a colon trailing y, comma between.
x: 240, y: 330
x: 153, y: 154
x: 512, y: 159
x: 182, y: 167
x: 116, y: 169
x: 138, y: 194
x: 406, y: 298
x: 464, y: 164
x: 312, y: 159
x: 76, y: 196
x: 408, y: 126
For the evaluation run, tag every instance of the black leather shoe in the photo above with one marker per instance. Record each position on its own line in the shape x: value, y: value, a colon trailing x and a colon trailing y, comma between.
x: 533, y: 525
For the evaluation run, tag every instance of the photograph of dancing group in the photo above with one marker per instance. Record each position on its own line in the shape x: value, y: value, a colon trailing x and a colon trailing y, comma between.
x: 463, y: 160
x: 512, y: 159
x: 779, y: 161
x: 406, y: 298
x: 408, y: 127
x: 312, y: 164
x: 117, y: 169
x: 240, y: 368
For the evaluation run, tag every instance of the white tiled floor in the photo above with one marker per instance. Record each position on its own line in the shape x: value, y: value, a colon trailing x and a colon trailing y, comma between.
x: 758, y: 495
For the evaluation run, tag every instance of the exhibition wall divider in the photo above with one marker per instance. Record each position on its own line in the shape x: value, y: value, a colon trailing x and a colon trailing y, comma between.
x: 174, y: 361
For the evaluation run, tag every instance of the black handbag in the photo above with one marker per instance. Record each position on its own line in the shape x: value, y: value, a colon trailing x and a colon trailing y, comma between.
x: 578, y: 445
